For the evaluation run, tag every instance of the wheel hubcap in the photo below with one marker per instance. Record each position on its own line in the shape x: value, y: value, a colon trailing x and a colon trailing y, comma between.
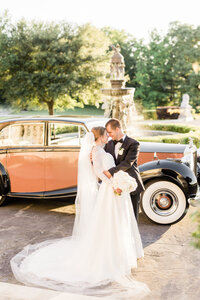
x: 164, y: 202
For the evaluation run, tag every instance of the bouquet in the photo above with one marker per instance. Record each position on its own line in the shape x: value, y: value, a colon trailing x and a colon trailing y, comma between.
x: 123, y: 181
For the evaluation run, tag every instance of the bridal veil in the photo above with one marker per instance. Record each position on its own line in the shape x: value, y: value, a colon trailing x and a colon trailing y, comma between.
x: 97, y: 259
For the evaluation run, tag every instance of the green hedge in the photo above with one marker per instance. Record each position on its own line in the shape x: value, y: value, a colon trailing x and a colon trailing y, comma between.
x: 180, y: 128
x: 149, y: 114
x: 186, y: 132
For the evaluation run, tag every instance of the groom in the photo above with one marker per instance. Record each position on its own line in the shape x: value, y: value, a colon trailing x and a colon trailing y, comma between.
x: 125, y: 151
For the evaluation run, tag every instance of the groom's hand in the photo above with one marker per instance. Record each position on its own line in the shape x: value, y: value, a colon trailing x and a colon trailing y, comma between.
x: 107, y: 173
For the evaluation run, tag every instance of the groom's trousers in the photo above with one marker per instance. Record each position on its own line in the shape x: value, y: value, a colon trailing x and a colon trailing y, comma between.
x: 136, y: 202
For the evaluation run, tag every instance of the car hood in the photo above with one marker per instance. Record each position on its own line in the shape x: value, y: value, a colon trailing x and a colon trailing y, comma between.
x: 161, y: 147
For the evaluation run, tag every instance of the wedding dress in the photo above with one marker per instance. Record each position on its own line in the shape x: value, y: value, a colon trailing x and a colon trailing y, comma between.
x: 97, y: 259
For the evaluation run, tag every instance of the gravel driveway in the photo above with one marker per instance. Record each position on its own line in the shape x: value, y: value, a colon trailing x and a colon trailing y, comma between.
x: 171, y: 266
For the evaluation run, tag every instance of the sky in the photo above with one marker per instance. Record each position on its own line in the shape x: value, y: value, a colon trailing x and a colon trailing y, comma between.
x: 138, y: 18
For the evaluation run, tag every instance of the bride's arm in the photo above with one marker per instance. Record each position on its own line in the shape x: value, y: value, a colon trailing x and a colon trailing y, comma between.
x: 97, y: 158
x: 130, y: 158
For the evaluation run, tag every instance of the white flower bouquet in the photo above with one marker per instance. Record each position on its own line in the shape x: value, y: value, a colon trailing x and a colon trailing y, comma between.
x: 123, y: 181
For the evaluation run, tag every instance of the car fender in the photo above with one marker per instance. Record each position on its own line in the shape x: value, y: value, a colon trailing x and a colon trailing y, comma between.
x: 173, y: 171
x: 4, y: 181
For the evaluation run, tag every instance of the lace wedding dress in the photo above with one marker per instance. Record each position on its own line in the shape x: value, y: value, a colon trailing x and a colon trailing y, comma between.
x: 105, y: 244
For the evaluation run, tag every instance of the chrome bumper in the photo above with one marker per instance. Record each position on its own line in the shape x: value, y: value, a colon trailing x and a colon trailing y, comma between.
x: 195, y: 201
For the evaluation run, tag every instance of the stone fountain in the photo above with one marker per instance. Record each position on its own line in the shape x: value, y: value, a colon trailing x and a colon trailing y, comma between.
x: 118, y: 100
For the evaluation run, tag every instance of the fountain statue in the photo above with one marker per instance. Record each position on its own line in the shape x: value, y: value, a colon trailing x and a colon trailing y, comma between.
x: 118, y: 101
x: 185, y: 109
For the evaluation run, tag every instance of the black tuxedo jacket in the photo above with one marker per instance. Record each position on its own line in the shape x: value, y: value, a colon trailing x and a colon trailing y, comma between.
x: 127, y: 161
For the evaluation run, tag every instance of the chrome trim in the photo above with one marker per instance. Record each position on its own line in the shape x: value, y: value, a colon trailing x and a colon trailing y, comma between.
x: 65, y: 119
x: 151, y: 147
x: 164, y: 212
x: 195, y: 202
x: 3, y: 151
x: 62, y: 149
x: 195, y: 162
x: 38, y: 195
x: 28, y: 149
x: 190, y: 157
x: 46, y: 134
x: 44, y: 149
x: 61, y: 193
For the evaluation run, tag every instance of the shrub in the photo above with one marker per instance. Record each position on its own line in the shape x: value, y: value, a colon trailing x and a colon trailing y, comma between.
x: 169, y: 127
x: 168, y: 112
x: 149, y: 114
x: 186, y: 132
x: 196, y: 234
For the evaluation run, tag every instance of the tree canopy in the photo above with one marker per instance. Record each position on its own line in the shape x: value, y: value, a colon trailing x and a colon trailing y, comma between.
x: 161, y: 71
x: 59, y: 65
x: 62, y: 65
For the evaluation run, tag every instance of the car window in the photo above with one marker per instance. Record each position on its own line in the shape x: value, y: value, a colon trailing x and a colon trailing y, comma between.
x: 23, y: 134
x: 62, y: 134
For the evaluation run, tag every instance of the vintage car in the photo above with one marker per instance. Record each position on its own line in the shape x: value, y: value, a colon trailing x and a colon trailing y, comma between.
x: 39, y: 159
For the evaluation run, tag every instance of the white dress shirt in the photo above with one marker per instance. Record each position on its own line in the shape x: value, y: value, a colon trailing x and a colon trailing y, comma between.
x: 118, y: 146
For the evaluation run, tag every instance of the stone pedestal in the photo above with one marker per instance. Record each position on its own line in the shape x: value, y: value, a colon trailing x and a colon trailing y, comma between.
x: 119, y: 104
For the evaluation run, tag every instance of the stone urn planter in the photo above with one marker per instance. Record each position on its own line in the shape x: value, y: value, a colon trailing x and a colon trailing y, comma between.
x: 168, y: 112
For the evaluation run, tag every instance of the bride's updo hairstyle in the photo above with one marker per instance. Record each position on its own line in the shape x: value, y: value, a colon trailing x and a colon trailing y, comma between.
x: 98, y: 131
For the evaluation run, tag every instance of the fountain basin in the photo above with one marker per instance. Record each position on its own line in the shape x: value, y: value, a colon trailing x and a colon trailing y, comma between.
x: 145, y: 133
x: 118, y: 91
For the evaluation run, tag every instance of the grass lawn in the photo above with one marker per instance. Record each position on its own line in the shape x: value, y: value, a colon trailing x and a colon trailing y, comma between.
x: 88, y: 110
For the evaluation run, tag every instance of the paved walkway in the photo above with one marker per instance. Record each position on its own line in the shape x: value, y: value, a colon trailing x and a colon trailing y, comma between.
x: 19, y: 292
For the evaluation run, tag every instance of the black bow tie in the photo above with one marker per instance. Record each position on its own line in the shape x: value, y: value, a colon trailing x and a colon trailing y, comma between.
x: 120, y: 141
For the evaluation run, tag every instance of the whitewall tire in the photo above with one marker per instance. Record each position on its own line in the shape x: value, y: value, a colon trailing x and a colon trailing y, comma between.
x: 163, y: 202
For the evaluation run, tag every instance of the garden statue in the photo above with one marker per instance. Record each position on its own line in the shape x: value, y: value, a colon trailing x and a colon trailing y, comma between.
x: 185, y: 109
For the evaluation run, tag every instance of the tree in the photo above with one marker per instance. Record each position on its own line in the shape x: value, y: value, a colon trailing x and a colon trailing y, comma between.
x: 53, y: 64
x: 164, y: 67
x: 185, y: 43
x: 154, y: 73
x: 4, y: 26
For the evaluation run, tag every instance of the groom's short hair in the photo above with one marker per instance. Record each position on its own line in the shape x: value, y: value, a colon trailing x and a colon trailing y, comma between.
x: 114, y: 123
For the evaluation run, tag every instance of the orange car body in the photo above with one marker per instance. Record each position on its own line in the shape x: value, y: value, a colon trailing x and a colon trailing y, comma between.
x: 40, y: 155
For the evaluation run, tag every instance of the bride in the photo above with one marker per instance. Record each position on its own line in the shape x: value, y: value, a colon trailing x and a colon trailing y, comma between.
x: 105, y: 244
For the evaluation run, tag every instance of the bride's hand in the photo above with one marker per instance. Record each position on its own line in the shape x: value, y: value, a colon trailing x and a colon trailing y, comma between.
x: 118, y: 191
x: 107, y: 173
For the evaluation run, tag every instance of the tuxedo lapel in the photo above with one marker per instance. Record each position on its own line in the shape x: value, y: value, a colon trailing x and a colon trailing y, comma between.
x: 111, y: 149
x: 124, y: 144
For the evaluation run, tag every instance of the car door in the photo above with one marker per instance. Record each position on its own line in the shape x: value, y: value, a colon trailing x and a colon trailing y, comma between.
x: 61, y: 155
x: 25, y: 156
x: 3, y: 147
